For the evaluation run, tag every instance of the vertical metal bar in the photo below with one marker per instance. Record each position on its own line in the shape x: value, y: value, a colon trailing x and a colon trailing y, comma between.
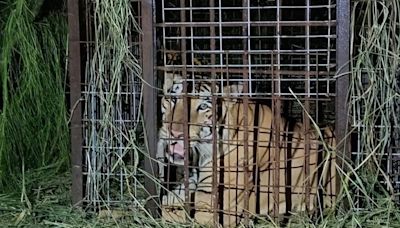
x: 221, y: 53
x: 328, y: 48
x: 318, y: 105
x: 149, y: 100
x: 342, y: 82
x: 276, y: 107
x: 245, y: 29
x: 89, y: 113
x: 164, y: 43
x: 270, y: 187
x: 246, y: 8
x: 75, y: 96
x: 186, y: 117
x: 228, y: 169
x: 306, y: 120
x: 192, y: 48
x: 165, y: 179
x: 259, y: 59
x: 215, y: 182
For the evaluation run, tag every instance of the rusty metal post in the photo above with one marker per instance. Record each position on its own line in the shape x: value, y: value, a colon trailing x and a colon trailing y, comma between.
x: 74, y: 68
x: 149, y: 100
x: 306, y: 119
x: 216, y: 185
x: 246, y: 47
x: 342, y: 82
x: 186, y: 104
x: 276, y: 110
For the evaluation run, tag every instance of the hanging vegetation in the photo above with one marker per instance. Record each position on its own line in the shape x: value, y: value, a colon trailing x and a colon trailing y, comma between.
x: 113, y: 98
x: 33, y: 118
x: 375, y: 91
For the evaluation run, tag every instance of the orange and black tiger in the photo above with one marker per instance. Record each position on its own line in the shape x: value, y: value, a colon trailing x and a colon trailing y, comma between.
x: 263, y: 143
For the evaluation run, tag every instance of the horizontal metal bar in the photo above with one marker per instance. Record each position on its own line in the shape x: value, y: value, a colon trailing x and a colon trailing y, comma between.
x: 264, y: 97
x: 231, y: 65
x: 109, y: 147
x: 265, y: 79
x: 197, y: 69
x: 113, y: 120
x: 313, y: 52
x: 257, y: 79
x: 380, y: 154
x: 332, y: 6
x: 130, y: 94
x: 361, y: 125
x: 247, y: 37
x: 105, y: 42
x: 253, y: 65
x: 244, y: 23
x: 125, y: 201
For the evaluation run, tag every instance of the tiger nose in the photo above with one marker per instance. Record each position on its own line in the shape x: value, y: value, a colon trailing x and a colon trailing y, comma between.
x: 177, y: 134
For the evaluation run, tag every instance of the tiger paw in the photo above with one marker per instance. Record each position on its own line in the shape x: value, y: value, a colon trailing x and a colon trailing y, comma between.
x: 174, y: 198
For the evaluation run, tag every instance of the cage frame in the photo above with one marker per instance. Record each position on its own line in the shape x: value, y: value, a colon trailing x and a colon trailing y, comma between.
x: 150, y: 97
x: 342, y: 72
x: 75, y: 72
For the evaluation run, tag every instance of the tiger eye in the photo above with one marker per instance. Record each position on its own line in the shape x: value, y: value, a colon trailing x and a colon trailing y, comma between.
x: 203, y: 106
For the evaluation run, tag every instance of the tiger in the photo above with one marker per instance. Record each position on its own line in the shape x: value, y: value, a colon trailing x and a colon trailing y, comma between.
x: 261, y: 150
x: 167, y: 149
x: 173, y: 150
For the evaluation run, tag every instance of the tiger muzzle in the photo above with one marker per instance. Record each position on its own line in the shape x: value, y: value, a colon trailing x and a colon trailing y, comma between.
x: 176, y: 148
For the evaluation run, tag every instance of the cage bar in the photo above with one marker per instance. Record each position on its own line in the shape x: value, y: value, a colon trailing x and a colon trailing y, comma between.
x: 342, y: 81
x: 343, y: 57
x: 215, y: 181
x: 246, y: 84
x: 75, y: 91
x: 149, y: 102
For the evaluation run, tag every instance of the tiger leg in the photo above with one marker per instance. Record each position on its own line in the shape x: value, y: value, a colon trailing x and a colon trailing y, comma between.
x: 173, y: 201
x: 160, y: 157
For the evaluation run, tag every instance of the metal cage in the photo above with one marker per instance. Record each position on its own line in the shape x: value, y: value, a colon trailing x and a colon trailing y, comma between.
x: 105, y: 122
x: 284, y: 54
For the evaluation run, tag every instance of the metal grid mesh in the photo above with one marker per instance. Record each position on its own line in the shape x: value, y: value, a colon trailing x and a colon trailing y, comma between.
x: 110, y: 121
x: 269, y: 46
x: 294, y: 40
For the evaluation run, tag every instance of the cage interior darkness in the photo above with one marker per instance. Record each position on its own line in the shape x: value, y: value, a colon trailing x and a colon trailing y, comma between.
x: 245, y: 85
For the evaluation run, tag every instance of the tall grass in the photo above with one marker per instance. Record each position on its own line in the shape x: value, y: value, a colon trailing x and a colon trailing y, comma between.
x: 33, y: 117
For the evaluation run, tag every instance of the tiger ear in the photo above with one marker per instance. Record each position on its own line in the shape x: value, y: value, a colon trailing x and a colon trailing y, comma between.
x: 217, y: 88
x: 171, y: 58
x: 233, y: 90
x: 237, y: 90
x: 169, y: 80
x: 196, y: 61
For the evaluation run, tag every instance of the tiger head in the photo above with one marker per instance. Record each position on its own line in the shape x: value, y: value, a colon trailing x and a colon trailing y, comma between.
x: 202, y: 112
x: 200, y: 116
